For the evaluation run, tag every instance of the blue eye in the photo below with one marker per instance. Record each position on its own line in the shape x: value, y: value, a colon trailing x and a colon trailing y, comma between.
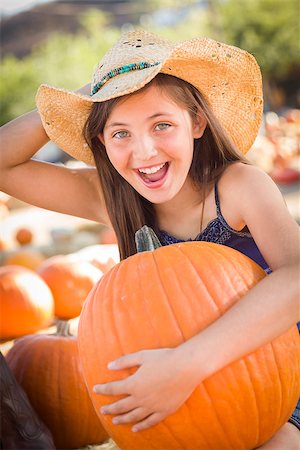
x: 120, y: 134
x: 162, y: 126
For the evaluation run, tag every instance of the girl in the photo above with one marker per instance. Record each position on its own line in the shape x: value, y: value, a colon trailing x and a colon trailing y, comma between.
x: 167, y: 127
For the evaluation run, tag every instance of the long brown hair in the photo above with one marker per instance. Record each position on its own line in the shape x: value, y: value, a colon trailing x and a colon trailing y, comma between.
x: 127, y: 209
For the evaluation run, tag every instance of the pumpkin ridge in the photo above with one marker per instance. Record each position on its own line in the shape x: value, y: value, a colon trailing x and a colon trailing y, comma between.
x: 110, y: 318
x: 179, y: 248
x: 255, y: 398
x: 146, y: 307
x: 197, y: 393
x: 196, y: 424
x: 281, y: 384
x: 180, y: 288
x: 195, y: 280
x: 221, y: 425
x: 222, y: 261
x: 216, y: 253
x: 115, y: 308
x: 155, y: 259
x: 243, y: 362
x: 200, y: 273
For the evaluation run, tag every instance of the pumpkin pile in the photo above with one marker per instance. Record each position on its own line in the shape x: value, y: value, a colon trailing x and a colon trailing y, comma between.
x: 48, y: 369
x: 164, y: 297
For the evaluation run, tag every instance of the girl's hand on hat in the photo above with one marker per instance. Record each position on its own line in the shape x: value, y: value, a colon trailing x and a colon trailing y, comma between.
x: 161, y: 384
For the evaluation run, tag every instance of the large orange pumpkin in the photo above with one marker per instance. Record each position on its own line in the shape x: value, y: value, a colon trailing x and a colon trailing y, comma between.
x: 26, y: 302
x: 164, y: 297
x: 48, y: 369
x: 70, y: 282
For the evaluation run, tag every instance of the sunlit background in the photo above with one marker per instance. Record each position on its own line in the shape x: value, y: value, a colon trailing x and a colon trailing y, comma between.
x: 60, y: 42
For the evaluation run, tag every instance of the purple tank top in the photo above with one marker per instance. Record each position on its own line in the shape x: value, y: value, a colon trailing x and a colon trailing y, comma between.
x: 219, y: 232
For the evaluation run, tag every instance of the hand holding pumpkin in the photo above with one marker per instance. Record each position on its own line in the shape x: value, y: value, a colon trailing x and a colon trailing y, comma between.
x: 162, y: 374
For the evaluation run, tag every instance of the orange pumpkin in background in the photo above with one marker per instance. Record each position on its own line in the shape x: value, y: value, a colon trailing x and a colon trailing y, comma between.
x: 26, y: 302
x: 70, y: 282
x: 29, y: 258
x: 161, y: 299
x: 24, y: 236
x: 48, y: 369
x: 4, y: 245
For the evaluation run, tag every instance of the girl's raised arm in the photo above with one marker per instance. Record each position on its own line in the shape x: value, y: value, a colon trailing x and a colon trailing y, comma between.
x: 50, y: 186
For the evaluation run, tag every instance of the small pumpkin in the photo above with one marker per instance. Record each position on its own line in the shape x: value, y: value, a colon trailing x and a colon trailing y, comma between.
x: 25, y: 257
x: 70, y: 282
x: 163, y: 297
x: 24, y: 236
x: 26, y: 302
x: 48, y: 369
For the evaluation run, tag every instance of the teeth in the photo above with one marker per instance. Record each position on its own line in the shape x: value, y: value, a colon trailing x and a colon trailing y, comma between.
x: 154, y: 169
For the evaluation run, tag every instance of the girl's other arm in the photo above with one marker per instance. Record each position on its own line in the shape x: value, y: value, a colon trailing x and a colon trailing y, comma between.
x: 70, y: 191
x: 272, y: 306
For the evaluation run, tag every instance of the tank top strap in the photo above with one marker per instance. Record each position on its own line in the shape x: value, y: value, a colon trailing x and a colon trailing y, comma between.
x: 217, y: 201
x: 243, y: 233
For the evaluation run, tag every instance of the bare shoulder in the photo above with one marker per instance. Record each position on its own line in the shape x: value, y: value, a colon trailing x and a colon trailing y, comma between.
x: 253, y: 199
x: 246, y: 182
x: 240, y: 172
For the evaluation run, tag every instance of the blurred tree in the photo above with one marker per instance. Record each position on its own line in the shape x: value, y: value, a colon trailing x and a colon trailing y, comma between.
x: 269, y: 29
x: 18, y: 81
x: 63, y: 60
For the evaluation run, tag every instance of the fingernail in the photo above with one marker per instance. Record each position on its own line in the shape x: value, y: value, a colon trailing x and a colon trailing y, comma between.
x: 115, y: 421
x: 102, y: 410
x: 134, y: 429
x: 111, y: 365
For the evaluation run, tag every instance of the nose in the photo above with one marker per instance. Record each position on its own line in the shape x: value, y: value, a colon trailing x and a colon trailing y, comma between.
x: 144, y: 149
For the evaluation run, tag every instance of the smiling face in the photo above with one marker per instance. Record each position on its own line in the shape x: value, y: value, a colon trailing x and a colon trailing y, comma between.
x: 149, y: 139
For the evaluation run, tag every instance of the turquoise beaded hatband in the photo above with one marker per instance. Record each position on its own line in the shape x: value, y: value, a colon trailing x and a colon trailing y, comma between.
x: 114, y: 72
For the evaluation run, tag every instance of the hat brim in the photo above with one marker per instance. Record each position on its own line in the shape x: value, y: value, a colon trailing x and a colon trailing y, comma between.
x: 64, y: 113
x: 228, y: 77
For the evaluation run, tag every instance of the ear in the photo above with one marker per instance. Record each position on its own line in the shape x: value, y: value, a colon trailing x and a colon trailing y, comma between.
x: 199, y: 125
x: 101, y: 138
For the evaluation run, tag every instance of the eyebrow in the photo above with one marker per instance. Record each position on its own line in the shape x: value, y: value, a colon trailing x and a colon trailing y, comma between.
x: 121, y: 124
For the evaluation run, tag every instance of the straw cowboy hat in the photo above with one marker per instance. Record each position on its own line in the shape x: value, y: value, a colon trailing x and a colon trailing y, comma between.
x: 228, y: 77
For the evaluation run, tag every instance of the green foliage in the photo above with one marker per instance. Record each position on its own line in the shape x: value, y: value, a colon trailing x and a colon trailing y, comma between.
x: 269, y: 29
x: 63, y: 60
x: 17, y: 85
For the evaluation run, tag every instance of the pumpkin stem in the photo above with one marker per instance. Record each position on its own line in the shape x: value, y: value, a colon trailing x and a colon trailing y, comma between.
x: 146, y: 240
x: 63, y: 328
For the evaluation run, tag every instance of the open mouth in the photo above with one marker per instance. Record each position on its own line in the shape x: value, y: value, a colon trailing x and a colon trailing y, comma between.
x: 155, y: 175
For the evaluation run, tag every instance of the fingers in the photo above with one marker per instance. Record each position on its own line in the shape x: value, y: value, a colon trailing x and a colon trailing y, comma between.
x: 126, y: 361
x: 113, y: 388
x: 131, y: 417
x: 148, y: 422
x: 121, y: 406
